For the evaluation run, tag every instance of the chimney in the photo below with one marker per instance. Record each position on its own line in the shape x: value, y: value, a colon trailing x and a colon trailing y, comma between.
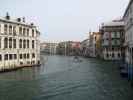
x: 32, y: 24
x: 7, y: 16
x: 19, y: 19
x: 24, y: 19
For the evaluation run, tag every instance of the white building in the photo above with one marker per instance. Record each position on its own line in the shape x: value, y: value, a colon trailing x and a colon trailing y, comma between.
x: 19, y: 43
x: 128, y: 21
x: 85, y: 48
x: 112, y: 40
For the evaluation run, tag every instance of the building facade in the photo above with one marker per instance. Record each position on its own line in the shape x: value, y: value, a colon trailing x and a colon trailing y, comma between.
x: 128, y: 21
x: 112, y: 34
x: 49, y: 48
x: 85, y: 48
x: 69, y: 48
x: 19, y: 43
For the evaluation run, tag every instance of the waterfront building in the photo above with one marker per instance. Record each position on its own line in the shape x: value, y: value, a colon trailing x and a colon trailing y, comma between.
x: 68, y: 48
x: 128, y: 21
x: 19, y: 43
x: 112, y: 34
x: 49, y: 48
x: 85, y: 48
x: 94, y: 44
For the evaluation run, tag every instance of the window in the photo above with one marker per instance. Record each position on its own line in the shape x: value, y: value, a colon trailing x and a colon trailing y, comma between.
x: 24, y: 44
x: 6, y: 57
x: 27, y: 43
x: 10, y: 42
x: 0, y: 57
x: 119, y: 55
x: 0, y: 42
x: 33, y: 44
x: 15, y: 56
x: 28, y: 56
x: 0, y: 28
x: 33, y: 32
x: 107, y: 55
x: 6, y: 43
x: 20, y: 43
x: 24, y: 56
x: 27, y: 32
x: 14, y: 30
x: 10, y: 29
x: 24, y: 31
x: 113, y: 55
x: 33, y: 55
x: 10, y: 56
x: 14, y: 43
x: 5, y: 29
x: 112, y: 49
x: 20, y: 30
x: 21, y: 56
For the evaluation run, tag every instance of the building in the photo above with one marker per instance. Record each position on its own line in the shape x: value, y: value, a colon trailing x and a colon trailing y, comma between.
x: 19, y: 43
x: 94, y: 44
x: 68, y: 48
x: 49, y: 48
x: 85, y: 48
x: 112, y: 35
x: 128, y: 21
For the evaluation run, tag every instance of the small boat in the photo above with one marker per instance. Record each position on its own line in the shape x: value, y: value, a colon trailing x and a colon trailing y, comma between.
x: 76, y: 59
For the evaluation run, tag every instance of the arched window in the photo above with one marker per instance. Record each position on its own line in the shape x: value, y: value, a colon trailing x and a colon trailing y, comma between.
x: 27, y: 43
x: 20, y: 56
x: 0, y: 42
x: 28, y: 56
x: 33, y: 32
x: 10, y: 29
x: 20, y: 43
x: 6, y: 43
x: 33, y: 44
x: 14, y: 43
x: 24, y: 55
x: 14, y: 30
x: 24, y: 43
x: 0, y: 57
x: 23, y: 31
x: 27, y: 32
x: 10, y: 42
x: 5, y: 28
x: 20, y: 30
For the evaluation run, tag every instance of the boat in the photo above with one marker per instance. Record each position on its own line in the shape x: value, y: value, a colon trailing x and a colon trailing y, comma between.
x: 76, y: 59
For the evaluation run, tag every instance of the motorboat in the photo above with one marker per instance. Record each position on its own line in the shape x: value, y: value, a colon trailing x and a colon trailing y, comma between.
x: 76, y: 59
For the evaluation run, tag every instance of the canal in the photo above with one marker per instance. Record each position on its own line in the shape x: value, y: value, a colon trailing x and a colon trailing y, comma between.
x: 61, y: 78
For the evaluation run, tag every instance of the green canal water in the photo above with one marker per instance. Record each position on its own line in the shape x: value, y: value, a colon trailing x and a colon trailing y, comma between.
x: 60, y: 78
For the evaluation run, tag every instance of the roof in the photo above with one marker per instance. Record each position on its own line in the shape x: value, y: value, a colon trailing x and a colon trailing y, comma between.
x: 114, y: 23
x: 129, y: 4
x: 15, y: 22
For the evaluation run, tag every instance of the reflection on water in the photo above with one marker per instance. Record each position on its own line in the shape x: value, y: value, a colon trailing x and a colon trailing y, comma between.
x: 59, y: 78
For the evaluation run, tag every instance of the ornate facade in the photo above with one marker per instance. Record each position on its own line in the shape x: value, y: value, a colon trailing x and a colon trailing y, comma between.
x: 19, y: 44
x: 112, y: 40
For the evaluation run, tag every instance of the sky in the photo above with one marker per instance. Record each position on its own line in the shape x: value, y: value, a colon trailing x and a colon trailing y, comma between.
x: 63, y: 20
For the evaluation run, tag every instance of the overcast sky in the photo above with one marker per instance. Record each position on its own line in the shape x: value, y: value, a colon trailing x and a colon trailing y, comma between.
x: 60, y: 20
